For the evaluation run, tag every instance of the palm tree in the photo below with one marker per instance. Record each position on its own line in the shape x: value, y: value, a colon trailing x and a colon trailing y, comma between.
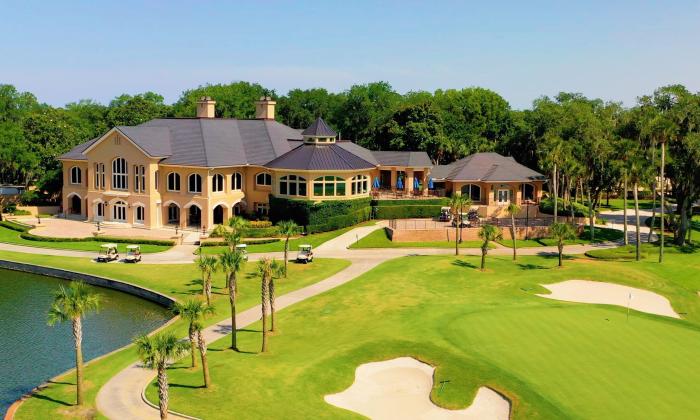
x: 232, y: 263
x: 207, y: 265
x: 265, y: 270
x: 512, y: 210
x: 287, y: 228
x: 277, y: 270
x: 155, y: 352
x: 194, y: 311
x: 73, y: 303
x: 457, y: 204
x: 561, y: 232
x: 488, y: 233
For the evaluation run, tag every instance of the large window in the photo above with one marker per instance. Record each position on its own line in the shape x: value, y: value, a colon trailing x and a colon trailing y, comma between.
x: 359, y: 184
x: 528, y: 192
x: 139, y: 178
x: 173, y: 214
x: 120, y: 174
x: 194, y: 183
x: 263, y: 179
x: 140, y: 213
x: 237, y: 181
x: 99, y: 176
x: 472, y: 191
x: 76, y: 175
x: 329, y: 186
x: 262, y: 209
x: 217, y: 183
x: 293, y: 185
x: 173, y: 181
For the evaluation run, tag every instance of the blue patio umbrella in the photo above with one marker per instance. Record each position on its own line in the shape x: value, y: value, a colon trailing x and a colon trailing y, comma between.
x: 416, y: 184
x: 375, y: 184
x: 399, y: 184
x: 430, y: 183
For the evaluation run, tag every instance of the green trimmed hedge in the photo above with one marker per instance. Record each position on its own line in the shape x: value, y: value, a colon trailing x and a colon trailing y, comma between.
x: 547, y: 207
x: 266, y: 232
x: 247, y: 242
x: 406, y: 212
x: 162, y: 242
x: 427, y: 202
x: 339, y: 222
x: 14, y: 226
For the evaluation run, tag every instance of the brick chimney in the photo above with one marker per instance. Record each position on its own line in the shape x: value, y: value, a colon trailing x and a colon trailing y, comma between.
x: 205, y: 107
x: 265, y: 108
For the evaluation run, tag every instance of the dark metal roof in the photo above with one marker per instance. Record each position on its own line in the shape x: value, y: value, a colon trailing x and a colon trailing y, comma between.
x: 410, y: 159
x: 486, y: 167
x: 319, y: 128
x: 155, y: 141
x: 76, y: 153
x: 331, y: 157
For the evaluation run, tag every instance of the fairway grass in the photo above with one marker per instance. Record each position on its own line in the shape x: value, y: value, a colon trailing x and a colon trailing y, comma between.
x: 552, y: 359
x: 179, y: 281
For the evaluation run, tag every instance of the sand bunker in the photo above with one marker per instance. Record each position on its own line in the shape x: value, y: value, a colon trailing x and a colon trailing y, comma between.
x: 400, y: 389
x: 585, y: 291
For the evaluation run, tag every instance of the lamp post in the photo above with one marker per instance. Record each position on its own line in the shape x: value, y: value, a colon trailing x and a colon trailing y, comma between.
x: 527, y: 219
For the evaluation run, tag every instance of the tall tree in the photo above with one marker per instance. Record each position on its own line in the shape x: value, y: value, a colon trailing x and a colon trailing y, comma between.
x: 299, y: 108
x: 265, y: 271
x: 414, y: 127
x: 488, y: 233
x: 207, y: 265
x: 136, y: 109
x: 156, y: 352
x: 365, y: 108
x: 458, y: 203
x: 287, y: 228
x: 232, y: 262
x: 72, y: 304
x: 561, y: 232
x: 513, y: 210
x: 194, y: 312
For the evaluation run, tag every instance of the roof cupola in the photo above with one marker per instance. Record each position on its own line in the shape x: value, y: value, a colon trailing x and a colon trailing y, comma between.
x: 319, y: 133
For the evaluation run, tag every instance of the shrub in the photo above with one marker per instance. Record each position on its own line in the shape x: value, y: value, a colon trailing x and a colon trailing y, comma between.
x: 259, y: 224
x: 247, y: 242
x: 547, y: 207
x: 323, y: 216
x: 14, y: 226
x: 426, y: 202
x: 339, y: 222
x: 406, y: 212
x: 162, y: 242
x: 218, y: 231
x: 267, y: 232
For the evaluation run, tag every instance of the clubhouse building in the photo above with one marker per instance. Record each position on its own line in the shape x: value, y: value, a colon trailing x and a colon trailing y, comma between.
x: 198, y: 172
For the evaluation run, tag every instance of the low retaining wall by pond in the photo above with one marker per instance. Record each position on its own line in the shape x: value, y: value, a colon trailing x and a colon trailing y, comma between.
x: 121, y: 286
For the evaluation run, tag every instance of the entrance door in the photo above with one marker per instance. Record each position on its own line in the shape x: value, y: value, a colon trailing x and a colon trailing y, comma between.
x: 75, y: 204
x: 503, y: 196
x: 218, y: 215
x: 119, y: 212
x: 194, y: 217
x: 99, y: 212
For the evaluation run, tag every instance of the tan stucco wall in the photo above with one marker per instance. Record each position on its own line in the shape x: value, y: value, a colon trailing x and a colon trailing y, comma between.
x: 310, y: 176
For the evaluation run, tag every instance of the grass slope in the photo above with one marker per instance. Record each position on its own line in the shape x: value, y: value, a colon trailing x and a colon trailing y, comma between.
x: 380, y: 239
x: 552, y: 359
x: 178, y: 281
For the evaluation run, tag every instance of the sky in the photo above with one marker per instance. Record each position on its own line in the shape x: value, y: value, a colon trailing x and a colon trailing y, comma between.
x: 63, y: 51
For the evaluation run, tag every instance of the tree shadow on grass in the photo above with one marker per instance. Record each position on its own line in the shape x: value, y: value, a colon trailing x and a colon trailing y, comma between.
x: 54, y: 400
x: 176, y: 385
x: 463, y: 264
x: 530, y: 266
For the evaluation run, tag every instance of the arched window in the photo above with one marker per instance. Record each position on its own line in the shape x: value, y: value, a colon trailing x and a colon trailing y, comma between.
x: 76, y: 175
x: 237, y: 181
x: 139, y: 214
x: 217, y: 183
x: 472, y: 191
x: 293, y: 185
x: 173, y: 214
x: 120, y: 174
x: 329, y: 186
x: 173, y: 181
x: 359, y: 184
x: 263, y: 178
x: 194, y: 183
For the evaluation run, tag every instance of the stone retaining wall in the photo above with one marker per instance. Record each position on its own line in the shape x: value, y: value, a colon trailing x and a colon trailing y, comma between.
x: 121, y: 286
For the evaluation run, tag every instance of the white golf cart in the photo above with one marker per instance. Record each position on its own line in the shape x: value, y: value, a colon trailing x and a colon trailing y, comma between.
x: 445, y: 214
x: 108, y: 252
x: 463, y: 220
x: 243, y: 249
x: 305, y: 254
x: 133, y: 253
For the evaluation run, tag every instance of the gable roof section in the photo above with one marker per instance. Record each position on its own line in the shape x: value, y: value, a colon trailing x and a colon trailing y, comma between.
x: 329, y: 157
x: 319, y: 128
x: 409, y: 159
x: 486, y: 167
x: 76, y: 153
x: 155, y: 141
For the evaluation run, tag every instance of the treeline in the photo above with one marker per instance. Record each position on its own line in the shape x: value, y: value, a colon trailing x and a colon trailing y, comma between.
x: 585, y: 145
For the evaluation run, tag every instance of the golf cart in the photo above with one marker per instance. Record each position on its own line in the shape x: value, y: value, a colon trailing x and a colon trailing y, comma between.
x: 108, y: 252
x: 445, y: 214
x: 463, y: 220
x: 305, y: 254
x: 133, y: 253
x: 243, y: 249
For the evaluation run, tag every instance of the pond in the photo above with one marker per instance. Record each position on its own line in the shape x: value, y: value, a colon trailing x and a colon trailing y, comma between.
x: 33, y: 352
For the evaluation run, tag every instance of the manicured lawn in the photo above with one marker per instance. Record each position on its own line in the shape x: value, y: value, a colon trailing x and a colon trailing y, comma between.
x: 380, y: 239
x: 552, y: 359
x: 12, y: 237
x: 315, y: 239
x: 618, y: 204
x: 601, y: 235
x: 178, y: 281
x: 522, y: 243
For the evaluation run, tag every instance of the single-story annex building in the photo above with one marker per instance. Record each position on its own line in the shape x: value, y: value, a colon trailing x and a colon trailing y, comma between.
x: 197, y: 172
